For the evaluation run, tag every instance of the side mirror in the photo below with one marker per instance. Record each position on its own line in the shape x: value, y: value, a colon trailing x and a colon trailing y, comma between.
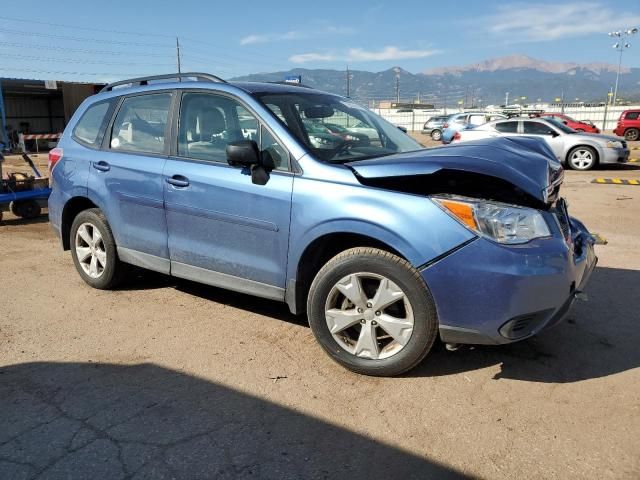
x: 553, y: 133
x: 243, y: 152
x: 565, y: 122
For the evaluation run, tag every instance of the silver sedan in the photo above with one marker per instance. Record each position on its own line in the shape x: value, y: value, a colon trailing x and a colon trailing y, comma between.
x: 577, y: 150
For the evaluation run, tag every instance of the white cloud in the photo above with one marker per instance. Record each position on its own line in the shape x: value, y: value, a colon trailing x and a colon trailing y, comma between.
x: 296, y: 35
x: 272, y: 37
x: 361, y: 55
x: 312, y: 57
x: 523, y: 22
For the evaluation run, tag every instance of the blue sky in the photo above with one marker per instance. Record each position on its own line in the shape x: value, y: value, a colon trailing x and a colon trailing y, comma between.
x: 232, y: 38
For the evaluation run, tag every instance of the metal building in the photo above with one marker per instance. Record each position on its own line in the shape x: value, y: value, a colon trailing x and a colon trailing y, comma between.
x: 38, y: 106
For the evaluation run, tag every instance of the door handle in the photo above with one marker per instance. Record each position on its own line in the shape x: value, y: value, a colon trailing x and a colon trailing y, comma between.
x: 102, y: 166
x: 178, y: 181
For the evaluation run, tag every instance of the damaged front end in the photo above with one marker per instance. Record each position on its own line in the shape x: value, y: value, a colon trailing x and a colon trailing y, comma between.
x: 518, y: 170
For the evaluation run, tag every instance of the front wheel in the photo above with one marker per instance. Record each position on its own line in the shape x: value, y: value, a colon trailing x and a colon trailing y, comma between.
x: 93, y: 250
x: 582, y: 158
x: 436, y: 135
x: 372, y: 313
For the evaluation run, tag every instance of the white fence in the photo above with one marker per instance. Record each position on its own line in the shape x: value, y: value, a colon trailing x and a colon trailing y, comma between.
x: 413, y: 121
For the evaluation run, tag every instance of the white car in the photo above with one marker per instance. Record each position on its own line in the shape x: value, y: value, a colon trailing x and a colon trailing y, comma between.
x: 577, y: 150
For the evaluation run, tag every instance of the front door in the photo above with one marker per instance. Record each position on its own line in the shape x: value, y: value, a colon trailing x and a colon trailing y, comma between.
x: 223, y: 229
x: 547, y: 133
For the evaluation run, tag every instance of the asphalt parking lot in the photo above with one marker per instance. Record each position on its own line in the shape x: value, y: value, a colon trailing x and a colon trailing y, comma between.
x: 165, y: 378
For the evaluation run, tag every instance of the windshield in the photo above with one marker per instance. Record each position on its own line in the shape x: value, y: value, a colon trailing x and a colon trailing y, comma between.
x: 559, y: 125
x: 335, y: 129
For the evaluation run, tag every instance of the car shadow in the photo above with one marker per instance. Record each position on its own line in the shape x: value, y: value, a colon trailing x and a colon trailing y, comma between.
x: 84, y: 420
x: 12, y: 220
x: 598, y: 338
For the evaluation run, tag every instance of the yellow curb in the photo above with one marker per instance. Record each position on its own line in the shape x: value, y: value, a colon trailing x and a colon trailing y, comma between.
x: 615, y: 181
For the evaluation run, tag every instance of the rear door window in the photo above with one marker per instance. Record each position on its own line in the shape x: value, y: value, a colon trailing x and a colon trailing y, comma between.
x: 90, y: 128
x: 507, y: 127
x: 141, y: 124
x: 632, y: 115
x: 536, y: 128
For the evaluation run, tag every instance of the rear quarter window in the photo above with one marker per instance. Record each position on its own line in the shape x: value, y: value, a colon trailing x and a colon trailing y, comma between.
x: 92, y: 124
x: 632, y: 116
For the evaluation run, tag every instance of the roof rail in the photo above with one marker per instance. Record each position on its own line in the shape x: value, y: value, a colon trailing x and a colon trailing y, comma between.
x: 200, y: 77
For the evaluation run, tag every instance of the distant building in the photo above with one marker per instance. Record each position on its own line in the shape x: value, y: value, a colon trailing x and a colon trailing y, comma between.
x: 38, y: 106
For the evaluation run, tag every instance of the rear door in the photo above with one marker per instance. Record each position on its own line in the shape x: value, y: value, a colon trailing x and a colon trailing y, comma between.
x: 126, y: 177
x: 225, y: 230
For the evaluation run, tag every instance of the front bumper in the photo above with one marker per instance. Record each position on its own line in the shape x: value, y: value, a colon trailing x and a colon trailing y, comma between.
x: 486, y: 293
x: 615, y: 155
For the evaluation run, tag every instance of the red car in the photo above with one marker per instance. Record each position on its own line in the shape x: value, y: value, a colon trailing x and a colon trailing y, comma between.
x: 628, y: 125
x: 577, y: 125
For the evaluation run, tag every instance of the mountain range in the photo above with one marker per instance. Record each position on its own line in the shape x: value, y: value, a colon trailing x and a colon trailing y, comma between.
x: 483, y: 83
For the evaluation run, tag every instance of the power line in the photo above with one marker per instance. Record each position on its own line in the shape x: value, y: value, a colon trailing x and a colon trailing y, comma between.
x: 80, y: 50
x: 92, y: 29
x: 82, y: 39
x: 83, y: 61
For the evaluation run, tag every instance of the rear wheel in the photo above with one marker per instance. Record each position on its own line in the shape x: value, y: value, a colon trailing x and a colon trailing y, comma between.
x: 93, y: 250
x: 372, y: 312
x: 436, y: 135
x: 632, y: 134
x: 582, y: 158
x: 580, y: 130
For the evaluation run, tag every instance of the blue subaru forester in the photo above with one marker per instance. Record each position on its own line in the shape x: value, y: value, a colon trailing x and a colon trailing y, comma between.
x: 385, y: 245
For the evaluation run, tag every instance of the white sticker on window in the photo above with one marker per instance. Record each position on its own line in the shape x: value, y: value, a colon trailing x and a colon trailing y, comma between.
x: 115, y: 143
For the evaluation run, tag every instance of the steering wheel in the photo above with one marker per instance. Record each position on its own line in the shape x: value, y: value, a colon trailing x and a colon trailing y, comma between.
x: 344, y: 147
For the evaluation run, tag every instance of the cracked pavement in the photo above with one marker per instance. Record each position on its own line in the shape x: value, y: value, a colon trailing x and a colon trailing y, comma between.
x: 170, y: 379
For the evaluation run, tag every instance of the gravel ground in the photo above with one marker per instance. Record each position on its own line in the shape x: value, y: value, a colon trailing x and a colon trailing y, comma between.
x: 169, y: 379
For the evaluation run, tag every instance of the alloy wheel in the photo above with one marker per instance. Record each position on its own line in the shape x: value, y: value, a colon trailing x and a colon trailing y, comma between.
x: 369, y: 315
x: 582, y: 159
x: 90, y: 250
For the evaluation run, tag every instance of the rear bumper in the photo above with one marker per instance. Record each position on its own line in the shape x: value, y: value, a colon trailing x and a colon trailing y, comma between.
x: 486, y: 293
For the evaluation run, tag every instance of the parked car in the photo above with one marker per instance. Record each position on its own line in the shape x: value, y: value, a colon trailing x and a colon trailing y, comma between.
x: 460, y: 121
x: 361, y: 138
x: 629, y: 125
x: 433, y: 127
x: 368, y: 130
x: 577, y: 150
x: 577, y: 125
x: 384, y: 246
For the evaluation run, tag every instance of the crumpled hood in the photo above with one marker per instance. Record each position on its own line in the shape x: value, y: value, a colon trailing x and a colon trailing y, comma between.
x: 526, y: 162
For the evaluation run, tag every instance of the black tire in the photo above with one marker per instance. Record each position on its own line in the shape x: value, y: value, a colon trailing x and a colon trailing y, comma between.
x: 632, y: 134
x: 436, y: 135
x: 579, y: 130
x: 407, y: 278
x: 26, y: 209
x: 114, y: 270
x: 572, y: 165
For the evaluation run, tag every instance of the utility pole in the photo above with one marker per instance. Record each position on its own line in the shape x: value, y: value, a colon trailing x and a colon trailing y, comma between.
x: 178, y: 54
x: 348, y: 83
x: 397, y: 70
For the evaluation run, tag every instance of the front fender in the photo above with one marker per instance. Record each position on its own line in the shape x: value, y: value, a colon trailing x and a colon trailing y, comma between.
x: 411, y: 224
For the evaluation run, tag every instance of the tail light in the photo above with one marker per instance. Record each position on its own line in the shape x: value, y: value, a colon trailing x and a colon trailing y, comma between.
x: 456, y: 136
x: 54, y: 157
